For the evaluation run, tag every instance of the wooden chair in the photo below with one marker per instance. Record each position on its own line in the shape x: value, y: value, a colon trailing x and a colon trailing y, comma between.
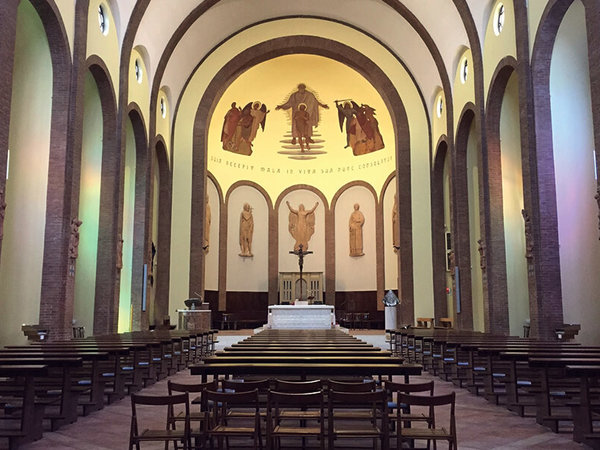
x: 369, y: 418
x: 200, y: 416
x: 301, y: 407
x: 223, y: 424
x: 430, y: 432
x: 162, y: 435
x: 297, y: 386
x: 401, y: 411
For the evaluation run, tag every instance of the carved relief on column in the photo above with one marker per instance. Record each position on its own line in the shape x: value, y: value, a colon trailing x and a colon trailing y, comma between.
x: 528, y: 236
x: 2, y: 212
x: 119, y: 263
x: 482, y: 255
x: 74, y: 238
x: 597, y: 197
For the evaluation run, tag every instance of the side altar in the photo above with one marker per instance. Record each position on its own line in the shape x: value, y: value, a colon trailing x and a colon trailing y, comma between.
x: 301, y: 317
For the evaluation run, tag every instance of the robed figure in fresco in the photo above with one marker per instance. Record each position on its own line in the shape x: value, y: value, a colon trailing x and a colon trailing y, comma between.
x: 302, y: 225
x: 240, y: 127
x: 362, y: 128
x: 311, y: 107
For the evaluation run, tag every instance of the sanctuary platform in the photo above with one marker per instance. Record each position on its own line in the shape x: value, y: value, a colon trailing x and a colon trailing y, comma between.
x: 306, y: 317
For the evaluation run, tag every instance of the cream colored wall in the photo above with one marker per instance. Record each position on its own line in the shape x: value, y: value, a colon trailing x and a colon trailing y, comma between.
x: 25, y: 215
x: 316, y: 244
x: 248, y: 274
x: 355, y: 273
x: 438, y: 127
x: 89, y: 206
x: 391, y: 257
x: 497, y: 47
x: 127, y: 232
x: 475, y: 230
x: 163, y: 124
x: 573, y: 138
x: 512, y: 195
x: 67, y: 13
x: 463, y: 92
x: 419, y: 134
x: 535, y: 10
x: 106, y: 47
x: 211, y: 277
x: 140, y: 92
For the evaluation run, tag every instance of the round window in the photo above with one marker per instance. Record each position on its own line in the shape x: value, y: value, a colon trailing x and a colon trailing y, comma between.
x: 464, y: 70
x: 163, y: 107
x: 139, y: 73
x: 499, y: 16
x: 440, y: 106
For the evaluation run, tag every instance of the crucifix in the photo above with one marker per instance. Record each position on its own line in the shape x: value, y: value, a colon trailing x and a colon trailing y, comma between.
x: 300, y: 255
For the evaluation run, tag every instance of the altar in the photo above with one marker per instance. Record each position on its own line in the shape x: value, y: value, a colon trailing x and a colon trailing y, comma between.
x: 299, y: 317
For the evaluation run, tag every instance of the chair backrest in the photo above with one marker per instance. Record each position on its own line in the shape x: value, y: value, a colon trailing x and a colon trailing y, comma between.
x: 344, y: 386
x: 434, y: 400
x: 297, y: 386
x: 245, y: 386
x: 167, y: 401
x: 194, y: 387
x: 406, y: 388
x: 297, y: 399
x: 224, y: 401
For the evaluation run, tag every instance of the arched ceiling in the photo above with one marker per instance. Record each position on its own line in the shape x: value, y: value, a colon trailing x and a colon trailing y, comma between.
x: 415, y: 31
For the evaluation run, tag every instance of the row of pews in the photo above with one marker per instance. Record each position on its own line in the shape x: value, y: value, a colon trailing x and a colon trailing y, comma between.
x: 44, y: 386
x: 557, y: 382
x: 302, y: 355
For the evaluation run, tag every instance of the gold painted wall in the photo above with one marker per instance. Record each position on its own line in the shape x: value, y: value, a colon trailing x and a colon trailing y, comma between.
x: 273, y: 163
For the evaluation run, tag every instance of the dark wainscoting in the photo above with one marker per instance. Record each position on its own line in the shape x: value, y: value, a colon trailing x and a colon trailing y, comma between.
x: 249, y: 309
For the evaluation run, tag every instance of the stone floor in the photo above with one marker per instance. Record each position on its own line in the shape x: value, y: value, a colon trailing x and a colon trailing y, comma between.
x: 480, y: 425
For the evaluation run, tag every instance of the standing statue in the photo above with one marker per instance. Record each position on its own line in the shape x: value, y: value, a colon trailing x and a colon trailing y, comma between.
x: 302, y: 225
x: 119, y: 264
x: 597, y: 197
x: 528, y: 235
x: 2, y: 212
x: 74, y: 238
x: 311, y: 104
x: 207, y: 219
x: 395, y: 225
x: 482, y: 255
x: 246, y: 230
x: 355, y: 225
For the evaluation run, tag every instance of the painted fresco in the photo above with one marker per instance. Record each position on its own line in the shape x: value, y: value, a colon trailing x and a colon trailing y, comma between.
x: 300, y: 119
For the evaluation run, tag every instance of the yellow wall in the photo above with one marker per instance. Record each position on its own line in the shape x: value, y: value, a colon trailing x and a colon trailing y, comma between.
x: 391, y: 257
x: 139, y: 92
x: 106, y: 47
x: 29, y: 140
x: 67, y: 12
x: 535, y: 10
x: 463, y: 92
x: 497, y: 47
x: 163, y: 124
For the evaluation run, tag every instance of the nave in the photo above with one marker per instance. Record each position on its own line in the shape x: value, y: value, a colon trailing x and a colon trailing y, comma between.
x: 480, y: 425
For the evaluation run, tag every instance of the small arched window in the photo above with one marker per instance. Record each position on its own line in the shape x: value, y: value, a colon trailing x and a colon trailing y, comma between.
x: 103, y: 20
x: 139, y: 73
x: 499, y: 17
x: 464, y: 70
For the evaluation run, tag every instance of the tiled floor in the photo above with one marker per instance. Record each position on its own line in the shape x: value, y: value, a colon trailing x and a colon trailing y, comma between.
x: 480, y: 425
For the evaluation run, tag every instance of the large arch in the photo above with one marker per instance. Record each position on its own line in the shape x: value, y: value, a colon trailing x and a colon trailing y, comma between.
x: 339, y: 52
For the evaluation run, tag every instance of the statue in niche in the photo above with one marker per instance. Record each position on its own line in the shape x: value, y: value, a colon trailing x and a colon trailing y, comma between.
x: 482, y: 255
x: 119, y: 264
x: 301, y: 225
x: 246, y: 230
x: 355, y: 226
x: 311, y: 104
x: 395, y: 225
x: 597, y: 197
x: 74, y: 238
x: 2, y: 212
x: 207, y: 220
x: 362, y: 128
x: 528, y: 235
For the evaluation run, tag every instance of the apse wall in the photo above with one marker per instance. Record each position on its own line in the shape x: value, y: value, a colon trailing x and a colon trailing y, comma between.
x: 182, y: 161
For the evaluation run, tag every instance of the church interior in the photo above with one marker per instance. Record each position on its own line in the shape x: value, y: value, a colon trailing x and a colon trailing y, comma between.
x: 253, y: 153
